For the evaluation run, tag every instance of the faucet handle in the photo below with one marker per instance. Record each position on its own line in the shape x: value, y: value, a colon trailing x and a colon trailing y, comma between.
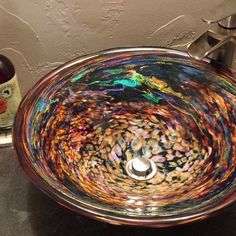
x: 224, y: 14
x: 228, y: 22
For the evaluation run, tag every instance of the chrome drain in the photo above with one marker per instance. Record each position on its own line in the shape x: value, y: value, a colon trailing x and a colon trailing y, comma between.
x: 141, y: 168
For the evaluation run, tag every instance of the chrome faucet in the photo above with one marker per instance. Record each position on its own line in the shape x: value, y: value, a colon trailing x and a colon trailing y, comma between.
x: 218, y: 43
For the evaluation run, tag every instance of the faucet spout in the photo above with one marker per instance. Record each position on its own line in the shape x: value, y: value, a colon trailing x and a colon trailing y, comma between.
x: 218, y: 47
x: 218, y: 43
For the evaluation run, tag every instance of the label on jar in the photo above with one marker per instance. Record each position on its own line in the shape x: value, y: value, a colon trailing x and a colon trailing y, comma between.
x: 9, y: 101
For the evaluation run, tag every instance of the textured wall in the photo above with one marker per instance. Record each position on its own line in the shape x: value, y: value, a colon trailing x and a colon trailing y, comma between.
x: 40, y: 35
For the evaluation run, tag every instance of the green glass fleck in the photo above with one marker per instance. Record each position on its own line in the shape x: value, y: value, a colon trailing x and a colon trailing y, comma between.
x: 114, y: 71
x: 127, y: 82
x: 153, y: 98
x: 79, y: 76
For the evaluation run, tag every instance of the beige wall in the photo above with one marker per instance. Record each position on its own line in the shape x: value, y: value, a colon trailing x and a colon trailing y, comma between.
x: 39, y: 35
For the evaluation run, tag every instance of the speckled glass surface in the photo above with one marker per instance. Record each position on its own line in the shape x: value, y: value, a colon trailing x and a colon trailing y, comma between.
x: 82, y: 123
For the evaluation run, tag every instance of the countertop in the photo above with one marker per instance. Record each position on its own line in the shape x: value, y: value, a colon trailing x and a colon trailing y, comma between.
x: 26, y: 211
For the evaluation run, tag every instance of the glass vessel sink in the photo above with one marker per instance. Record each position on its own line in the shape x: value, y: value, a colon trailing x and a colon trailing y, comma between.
x: 135, y: 136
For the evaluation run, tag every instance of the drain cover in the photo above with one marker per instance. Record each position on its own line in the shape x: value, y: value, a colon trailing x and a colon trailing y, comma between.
x: 141, y: 168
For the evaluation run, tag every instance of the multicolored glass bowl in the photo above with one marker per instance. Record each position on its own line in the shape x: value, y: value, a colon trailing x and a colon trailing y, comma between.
x: 135, y: 136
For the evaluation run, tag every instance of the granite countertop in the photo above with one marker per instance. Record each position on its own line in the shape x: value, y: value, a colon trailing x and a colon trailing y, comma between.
x: 26, y: 211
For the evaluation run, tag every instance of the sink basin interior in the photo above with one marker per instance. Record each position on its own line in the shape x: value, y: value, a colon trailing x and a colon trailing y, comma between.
x: 85, y: 121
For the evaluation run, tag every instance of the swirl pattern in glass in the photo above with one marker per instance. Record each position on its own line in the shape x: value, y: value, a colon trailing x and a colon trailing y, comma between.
x: 81, y: 126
